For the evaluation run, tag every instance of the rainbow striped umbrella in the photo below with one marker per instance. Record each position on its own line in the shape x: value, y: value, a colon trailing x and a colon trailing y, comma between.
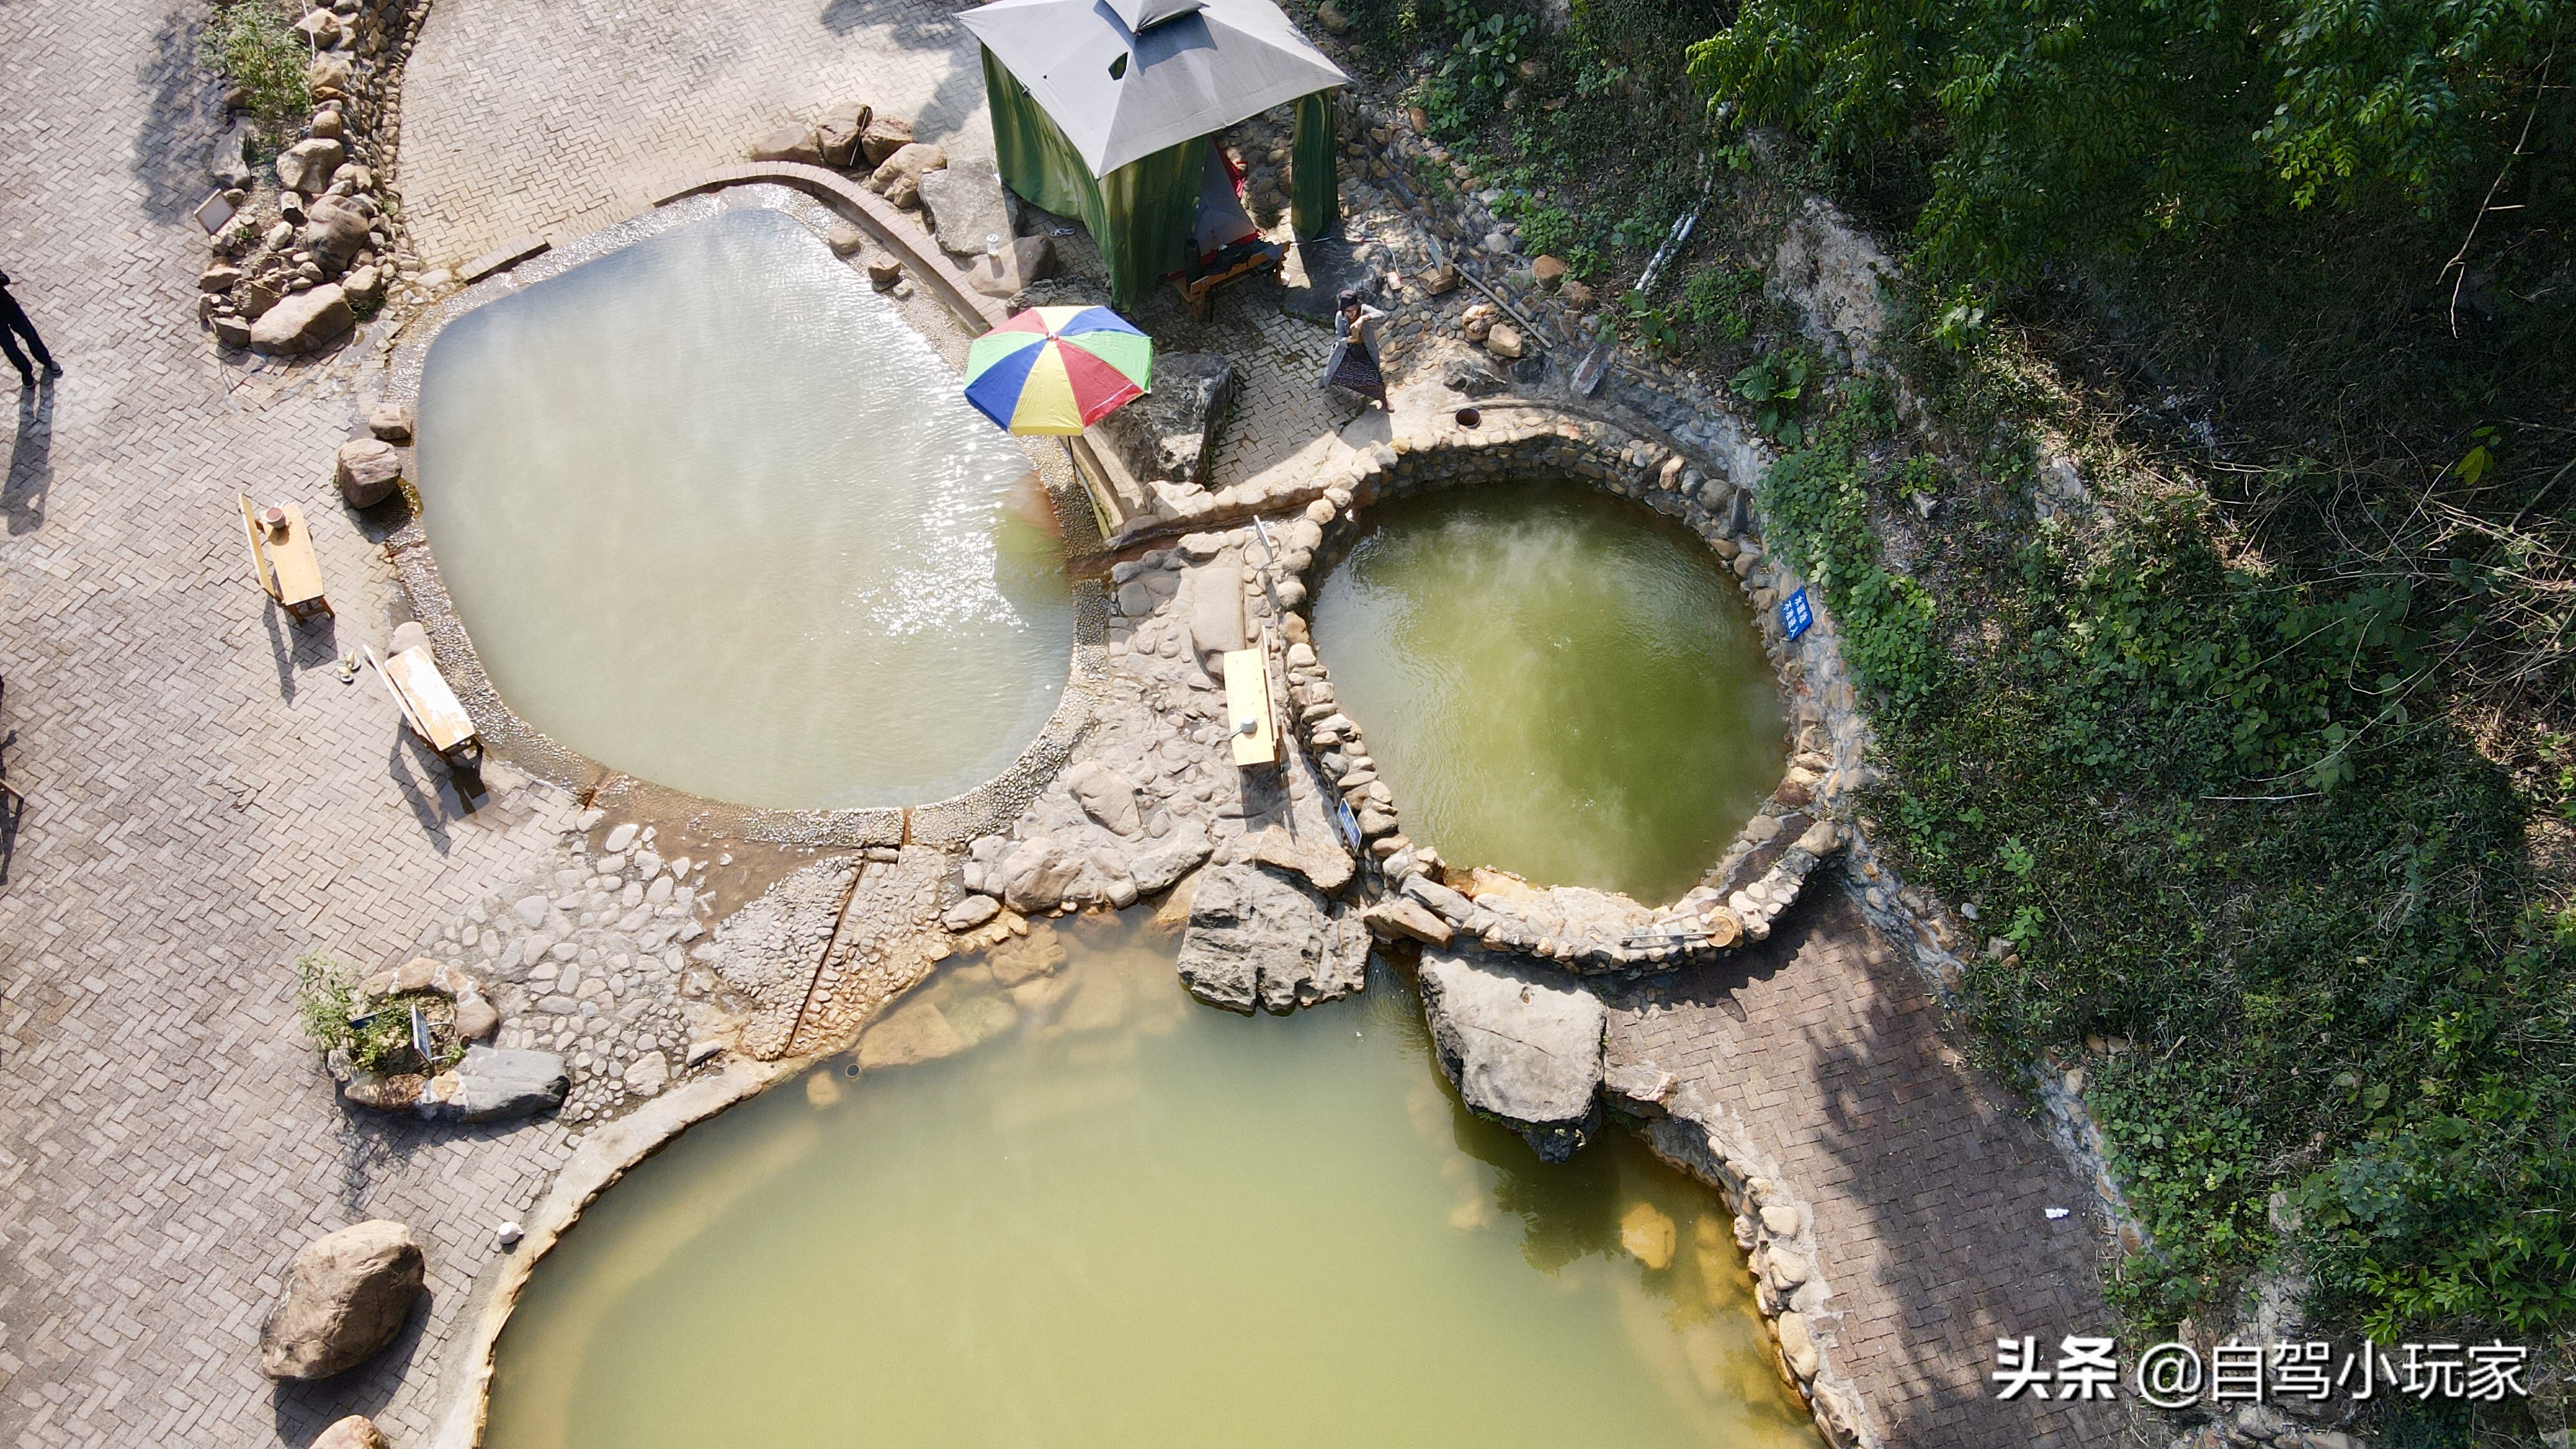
x: 1058, y: 369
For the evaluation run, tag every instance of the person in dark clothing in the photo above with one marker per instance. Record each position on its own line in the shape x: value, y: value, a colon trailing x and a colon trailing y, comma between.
x: 14, y: 325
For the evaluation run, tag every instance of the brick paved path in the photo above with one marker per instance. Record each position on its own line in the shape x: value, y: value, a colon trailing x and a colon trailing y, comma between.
x: 1930, y: 1193
x: 520, y: 117
x: 201, y: 799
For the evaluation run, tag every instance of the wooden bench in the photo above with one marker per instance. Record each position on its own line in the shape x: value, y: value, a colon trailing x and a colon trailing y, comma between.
x: 1199, y: 291
x: 283, y: 561
x: 1247, y: 697
x: 426, y: 703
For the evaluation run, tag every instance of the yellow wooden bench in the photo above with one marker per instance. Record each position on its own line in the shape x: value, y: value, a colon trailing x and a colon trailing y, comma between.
x: 1247, y: 698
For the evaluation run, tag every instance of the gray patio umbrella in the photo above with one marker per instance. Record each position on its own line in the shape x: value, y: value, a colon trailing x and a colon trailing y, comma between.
x: 1124, y: 79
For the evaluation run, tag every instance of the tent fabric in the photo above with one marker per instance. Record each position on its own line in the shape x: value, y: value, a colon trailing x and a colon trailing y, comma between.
x: 1314, y: 180
x: 1143, y: 15
x: 1120, y: 94
x: 1141, y: 216
x: 1221, y: 221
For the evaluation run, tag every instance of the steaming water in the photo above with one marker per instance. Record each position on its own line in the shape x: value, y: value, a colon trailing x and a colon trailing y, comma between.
x: 716, y: 516
x: 1555, y: 682
x: 1126, y: 1221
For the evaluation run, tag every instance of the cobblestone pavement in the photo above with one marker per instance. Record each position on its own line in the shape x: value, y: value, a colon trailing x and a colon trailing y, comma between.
x: 196, y: 798
x: 1930, y: 1193
x: 521, y: 118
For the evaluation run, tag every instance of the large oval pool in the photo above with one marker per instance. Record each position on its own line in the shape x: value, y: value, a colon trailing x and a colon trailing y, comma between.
x: 1556, y: 682
x: 1107, y: 1216
x: 715, y: 515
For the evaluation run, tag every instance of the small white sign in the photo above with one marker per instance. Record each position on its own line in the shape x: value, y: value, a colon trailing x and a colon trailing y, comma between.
x: 213, y: 212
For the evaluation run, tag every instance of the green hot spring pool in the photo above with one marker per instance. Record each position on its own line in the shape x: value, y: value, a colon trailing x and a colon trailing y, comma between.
x: 1556, y: 682
x: 1126, y: 1221
x: 717, y: 516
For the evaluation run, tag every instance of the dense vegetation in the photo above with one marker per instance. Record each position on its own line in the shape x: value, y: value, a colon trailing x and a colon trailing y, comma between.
x: 2264, y: 770
x: 251, y: 46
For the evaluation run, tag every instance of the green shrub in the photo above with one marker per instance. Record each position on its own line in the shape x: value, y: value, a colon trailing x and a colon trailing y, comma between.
x: 249, y: 44
x: 375, y: 1033
x: 2196, y: 804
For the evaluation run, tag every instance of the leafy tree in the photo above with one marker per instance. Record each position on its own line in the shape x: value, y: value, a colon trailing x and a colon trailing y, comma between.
x: 2097, y: 125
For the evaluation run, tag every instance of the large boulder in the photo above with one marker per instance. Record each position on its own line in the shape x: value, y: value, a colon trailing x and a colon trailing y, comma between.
x: 1257, y: 939
x: 1105, y: 795
x: 839, y: 133
x: 898, y: 180
x: 307, y: 165
x: 335, y: 231
x: 228, y: 161
x: 493, y: 1084
x: 1521, y: 1041
x: 965, y: 205
x: 370, y: 470
x: 1161, y: 868
x: 1036, y: 875
x: 881, y: 137
x: 303, y: 322
x: 347, y: 1295
x: 788, y: 143
x: 1171, y: 432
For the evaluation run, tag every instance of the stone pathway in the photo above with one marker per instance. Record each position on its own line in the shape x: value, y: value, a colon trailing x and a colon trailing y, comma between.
x: 197, y: 799
x: 524, y: 118
x: 1930, y: 1190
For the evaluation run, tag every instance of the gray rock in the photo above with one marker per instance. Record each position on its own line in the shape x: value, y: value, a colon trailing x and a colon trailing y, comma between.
x: 845, y: 239
x: 335, y: 231
x: 1321, y: 860
x: 390, y: 421
x: 648, y: 1074
x: 1465, y: 374
x: 491, y: 1085
x: 369, y: 472
x: 304, y: 322
x: 364, y: 287
x: 1398, y: 916
x: 1451, y: 906
x: 232, y: 332
x: 228, y: 160
x: 1036, y: 875
x: 1161, y: 868
x: 1255, y: 938
x: 1521, y: 1041
x: 618, y: 839
x: 965, y: 205
x: 347, y: 1294
x: 1105, y: 795
x: 1216, y: 608
x: 969, y: 913
x: 307, y: 165
x: 1171, y: 432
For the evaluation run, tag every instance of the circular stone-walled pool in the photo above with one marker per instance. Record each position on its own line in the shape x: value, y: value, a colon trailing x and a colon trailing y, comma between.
x: 715, y: 515
x: 1555, y: 682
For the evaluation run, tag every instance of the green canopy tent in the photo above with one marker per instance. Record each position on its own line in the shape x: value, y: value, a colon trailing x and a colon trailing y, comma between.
x: 1102, y: 109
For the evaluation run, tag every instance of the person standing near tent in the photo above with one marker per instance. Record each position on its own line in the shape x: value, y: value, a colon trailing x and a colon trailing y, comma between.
x: 1354, y: 360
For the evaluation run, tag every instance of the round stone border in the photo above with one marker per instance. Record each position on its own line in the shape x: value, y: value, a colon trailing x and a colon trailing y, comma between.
x: 951, y: 823
x: 1589, y: 931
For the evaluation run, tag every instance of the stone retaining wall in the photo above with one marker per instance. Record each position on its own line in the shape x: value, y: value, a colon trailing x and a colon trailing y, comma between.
x: 1796, y: 828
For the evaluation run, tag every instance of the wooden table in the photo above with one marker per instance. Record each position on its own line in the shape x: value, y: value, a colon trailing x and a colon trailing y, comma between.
x: 283, y: 561
x: 1247, y: 696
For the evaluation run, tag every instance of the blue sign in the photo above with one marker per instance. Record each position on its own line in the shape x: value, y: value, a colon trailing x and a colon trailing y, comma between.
x: 1796, y: 615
